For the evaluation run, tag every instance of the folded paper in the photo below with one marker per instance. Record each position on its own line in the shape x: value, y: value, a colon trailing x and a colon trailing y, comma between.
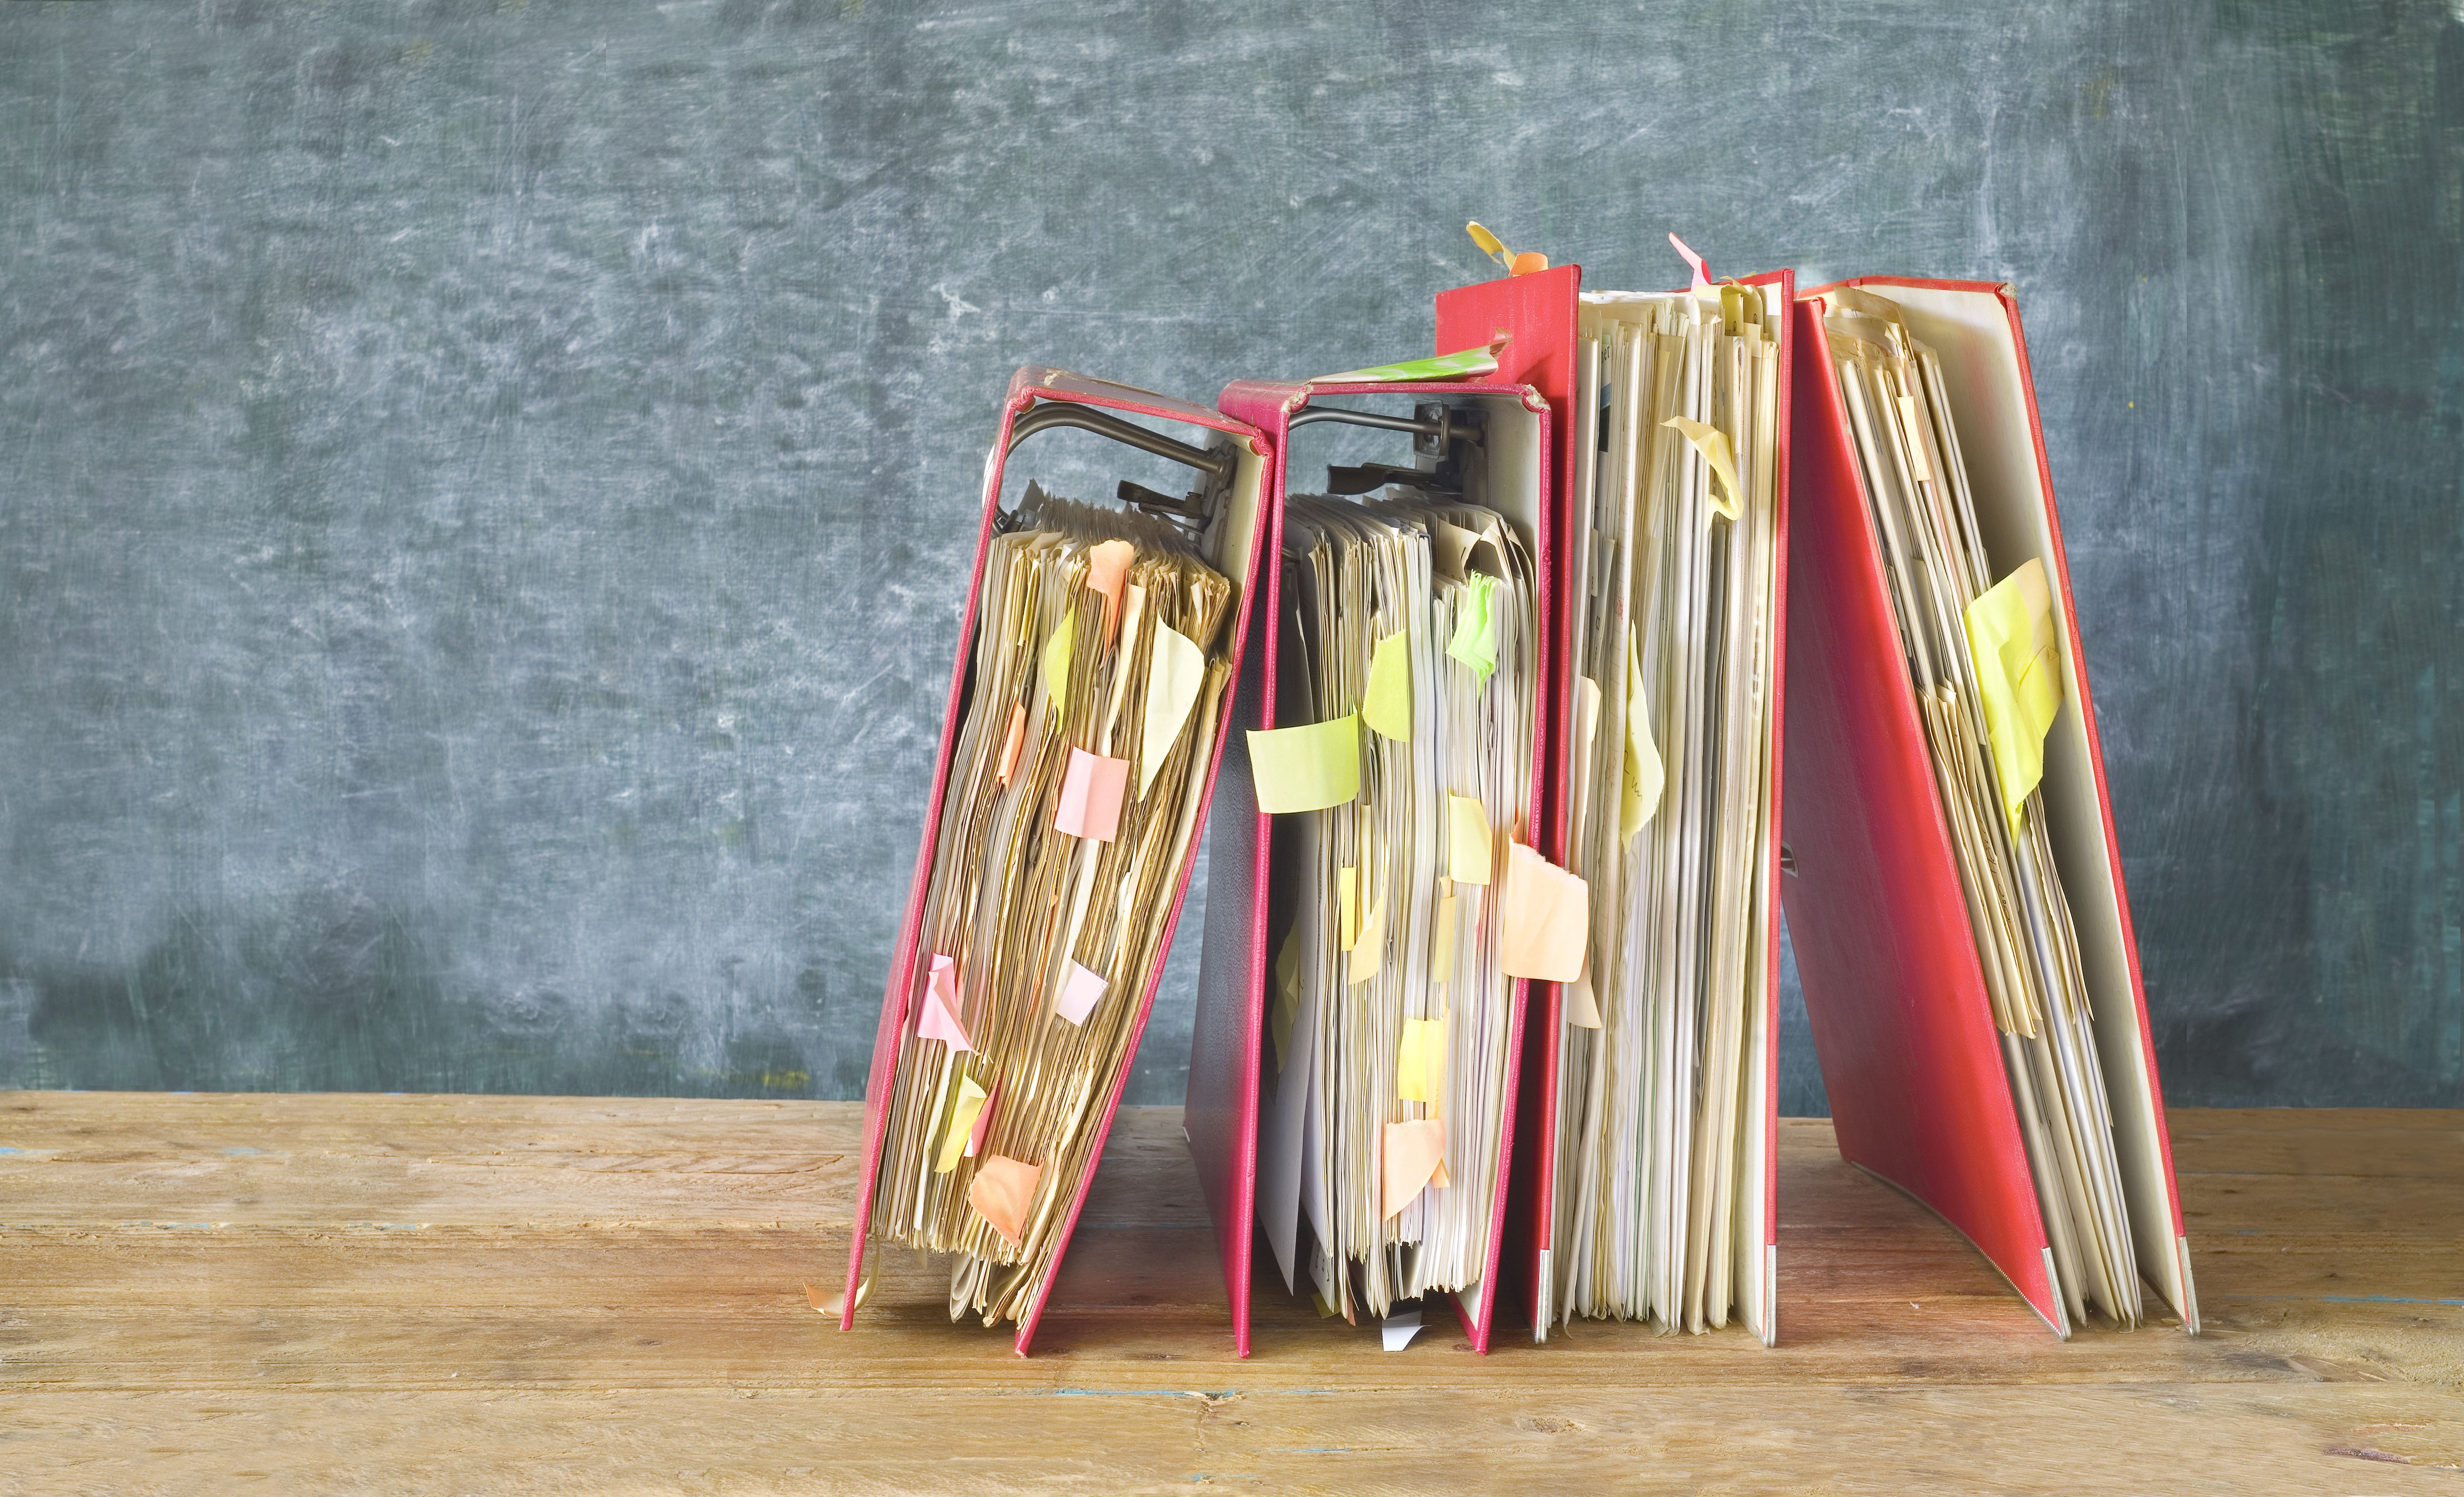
x: 1090, y: 796
x: 1713, y: 444
x: 1081, y: 990
x: 1369, y: 946
x: 1413, y: 1154
x: 939, y: 1020
x: 1387, y: 706
x: 1544, y: 918
x: 1644, y: 775
x: 1175, y: 670
x: 1469, y: 857
x: 963, y: 1112
x: 1307, y: 768
x: 2011, y: 641
x: 1001, y: 1193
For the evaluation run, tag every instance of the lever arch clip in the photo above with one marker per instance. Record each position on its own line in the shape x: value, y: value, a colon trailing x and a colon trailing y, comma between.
x: 1437, y: 430
x: 1216, y: 463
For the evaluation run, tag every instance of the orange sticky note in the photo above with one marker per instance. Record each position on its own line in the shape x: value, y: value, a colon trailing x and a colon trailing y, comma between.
x: 1544, y: 918
x: 1001, y: 1192
x: 1080, y: 992
x: 1016, y: 740
x: 939, y: 1020
x: 1107, y: 566
x: 1415, y: 1150
x: 1090, y: 796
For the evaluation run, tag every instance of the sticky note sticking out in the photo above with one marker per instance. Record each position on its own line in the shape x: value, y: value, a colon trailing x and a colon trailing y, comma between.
x: 1530, y: 262
x: 1090, y: 796
x: 1386, y: 706
x: 1176, y: 670
x: 1308, y: 769
x: 962, y: 1124
x: 984, y: 1123
x: 1489, y: 244
x: 1368, y: 947
x: 1014, y: 743
x: 939, y: 1020
x: 1441, y: 951
x: 1645, y: 777
x: 1469, y: 857
x: 2018, y: 655
x: 1474, y: 637
x: 1582, y: 1005
x: 1413, y: 1152
x: 1396, y: 1330
x: 1081, y: 990
x: 1544, y: 918
x: 1325, y: 1310
x: 1701, y: 276
x: 1288, y: 996
x: 1420, y: 1064
x: 1713, y: 444
x: 1471, y: 363
x: 1107, y: 566
x: 1056, y: 659
x: 1001, y: 1192
x: 1347, y: 907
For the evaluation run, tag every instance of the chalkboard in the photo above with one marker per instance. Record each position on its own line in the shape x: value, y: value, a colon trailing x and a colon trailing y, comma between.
x: 485, y: 488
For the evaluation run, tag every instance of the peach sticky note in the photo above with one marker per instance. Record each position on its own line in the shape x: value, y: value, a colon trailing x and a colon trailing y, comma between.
x: 984, y: 1123
x: 1420, y: 1064
x: 1090, y: 796
x: 1014, y: 743
x: 1544, y: 918
x: 969, y: 1107
x: 1469, y: 856
x: 939, y: 1020
x: 1108, y: 565
x: 1081, y: 990
x: 1582, y: 1006
x: 1001, y: 1192
x: 1307, y: 768
x: 1387, y: 705
x: 1413, y: 1152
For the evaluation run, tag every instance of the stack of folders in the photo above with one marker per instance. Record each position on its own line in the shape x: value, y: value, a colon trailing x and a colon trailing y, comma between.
x: 1675, y: 541
x: 1985, y: 662
x: 1084, y: 738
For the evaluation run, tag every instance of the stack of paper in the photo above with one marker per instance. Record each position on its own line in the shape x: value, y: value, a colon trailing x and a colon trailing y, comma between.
x: 1404, y: 891
x: 1986, y: 662
x: 1672, y: 550
x: 1098, y: 676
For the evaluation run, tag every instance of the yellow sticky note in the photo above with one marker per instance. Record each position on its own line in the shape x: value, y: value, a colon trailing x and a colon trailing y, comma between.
x: 1368, y: 946
x: 1475, y: 636
x: 1056, y: 659
x: 1441, y: 951
x: 1288, y: 996
x: 1176, y: 670
x: 962, y: 1124
x: 1713, y: 444
x: 1421, y: 1065
x: 1544, y: 918
x: 1468, y: 855
x: 1347, y: 907
x: 1307, y: 768
x: 1387, y: 708
x: 1415, y: 1150
x: 2018, y: 660
x: 1644, y: 774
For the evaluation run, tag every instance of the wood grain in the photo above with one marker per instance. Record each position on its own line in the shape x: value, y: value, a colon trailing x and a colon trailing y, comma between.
x: 517, y: 1294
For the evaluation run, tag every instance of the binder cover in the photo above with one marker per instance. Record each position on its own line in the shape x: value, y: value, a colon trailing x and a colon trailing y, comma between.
x: 1538, y: 316
x: 1225, y: 1072
x: 1892, y: 979
x: 1243, y: 521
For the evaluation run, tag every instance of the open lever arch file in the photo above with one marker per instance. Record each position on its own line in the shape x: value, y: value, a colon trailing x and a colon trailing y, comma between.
x: 1375, y: 903
x: 1085, y: 718
x: 1645, y: 1176
x: 1957, y: 904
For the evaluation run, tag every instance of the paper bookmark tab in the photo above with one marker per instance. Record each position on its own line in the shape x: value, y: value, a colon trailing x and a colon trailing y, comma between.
x: 1470, y: 856
x: 1307, y: 768
x: 1471, y: 363
x: 1056, y: 659
x: 1107, y: 566
x: 1387, y: 706
x: 1441, y: 951
x: 1288, y: 996
x: 1014, y: 742
x: 1421, y: 1063
x: 939, y: 1020
x: 1645, y: 776
x: 1414, y: 1152
x: 1001, y: 1193
x: 1474, y: 637
x: 1713, y: 444
x: 1090, y: 796
x: 1368, y: 946
x: 962, y: 1124
x: 1347, y: 907
x: 1544, y: 918
x: 1701, y: 276
x: 1175, y: 670
x: 2018, y: 654
x: 1081, y: 990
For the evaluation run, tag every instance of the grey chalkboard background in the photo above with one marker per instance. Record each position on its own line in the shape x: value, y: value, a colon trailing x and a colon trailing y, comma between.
x: 485, y: 488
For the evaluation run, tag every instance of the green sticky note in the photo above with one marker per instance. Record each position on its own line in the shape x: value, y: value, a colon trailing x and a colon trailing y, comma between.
x: 1469, y: 364
x: 1388, y: 705
x: 1475, y: 639
x: 1056, y: 659
x: 1308, y: 769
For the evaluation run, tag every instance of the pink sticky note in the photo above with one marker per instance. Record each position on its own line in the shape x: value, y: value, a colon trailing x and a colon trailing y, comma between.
x: 939, y: 1020
x: 1090, y: 796
x: 1080, y: 992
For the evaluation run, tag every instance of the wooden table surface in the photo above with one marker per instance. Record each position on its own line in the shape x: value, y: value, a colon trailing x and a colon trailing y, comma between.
x: 514, y: 1294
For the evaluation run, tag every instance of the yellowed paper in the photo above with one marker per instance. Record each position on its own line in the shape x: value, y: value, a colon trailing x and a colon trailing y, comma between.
x: 1387, y: 705
x: 1645, y: 777
x: 1056, y: 660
